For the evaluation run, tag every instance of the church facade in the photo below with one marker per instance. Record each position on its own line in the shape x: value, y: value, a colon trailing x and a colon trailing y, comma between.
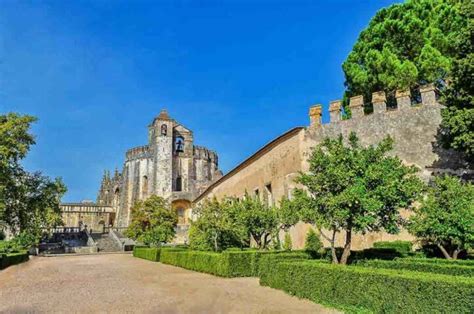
x: 170, y: 166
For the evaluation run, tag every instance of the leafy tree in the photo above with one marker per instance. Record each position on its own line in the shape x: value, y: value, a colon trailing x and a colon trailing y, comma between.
x: 405, y: 45
x: 258, y: 219
x: 28, y: 201
x: 287, y: 213
x: 355, y: 189
x: 287, y: 244
x: 313, y: 244
x: 217, y: 226
x: 458, y: 116
x: 446, y: 216
x: 153, y: 221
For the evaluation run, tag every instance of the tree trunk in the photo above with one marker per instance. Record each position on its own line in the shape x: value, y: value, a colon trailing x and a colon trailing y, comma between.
x: 215, y: 242
x: 265, y: 241
x: 456, y: 252
x: 443, y: 250
x: 347, y: 246
x: 333, y: 247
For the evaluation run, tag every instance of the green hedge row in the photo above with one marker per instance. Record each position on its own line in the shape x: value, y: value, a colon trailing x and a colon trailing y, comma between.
x: 467, y: 262
x: 13, y: 258
x: 226, y: 264
x: 151, y: 254
x: 377, y: 290
x: 455, y: 270
x: 206, y: 262
x: 403, y: 247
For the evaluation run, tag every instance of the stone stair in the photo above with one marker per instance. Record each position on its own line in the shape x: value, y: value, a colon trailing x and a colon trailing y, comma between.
x: 105, y: 243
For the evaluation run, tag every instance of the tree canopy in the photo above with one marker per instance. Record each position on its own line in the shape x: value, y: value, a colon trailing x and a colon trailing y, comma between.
x: 217, y: 226
x: 28, y: 201
x: 153, y: 221
x: 352, y: 188
x: 458, y: 116
x: 405, y: 45
x: 446, y: 216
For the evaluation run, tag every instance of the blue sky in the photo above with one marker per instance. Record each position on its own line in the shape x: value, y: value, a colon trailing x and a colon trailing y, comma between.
x: 238, y: 73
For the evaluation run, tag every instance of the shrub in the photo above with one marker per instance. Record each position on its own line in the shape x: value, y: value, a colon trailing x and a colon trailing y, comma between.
x: 440, y: 261
x: 230, y: 263
x: 455, y: 270
x: 402, y: 247
x: 378, y: 290
x: 371, y: 253
x: 313, y: 244
x: 12, y: 259
x: 206, y: 262
x: 151, y: 254
x: 287, y: 244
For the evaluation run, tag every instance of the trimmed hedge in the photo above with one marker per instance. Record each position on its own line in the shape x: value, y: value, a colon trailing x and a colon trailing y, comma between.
x: 454, y: 270
x: 403, y: 247
x: 226, y: 264
x: 206, y: 262
x: 13, y: 259
x: 467, y: 262
x: 151, y: 254
x: 378, y: 290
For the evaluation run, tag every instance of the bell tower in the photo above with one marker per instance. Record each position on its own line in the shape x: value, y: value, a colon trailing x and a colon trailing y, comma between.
x: 161, y: 144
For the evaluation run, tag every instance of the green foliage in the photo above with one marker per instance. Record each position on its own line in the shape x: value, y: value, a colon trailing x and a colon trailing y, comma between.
x: 403, y: 247
x: 458, y: 116
x: 287, y: 244
x: 28, y: 201
x: 355, y: 288
x: 355, y: 188
x: 313, y: 244
x: 13, y: 259
x: 153, y: 221
x: 454, y: 270
x: 149, y: 253
x: 405, y: 45
x: 287, y: 213
x: 257, y: 219
x: 446, y: 216
x: 230, y: 263
x: 217, y: 226
x: 440, y: 261
x: 206, y: 262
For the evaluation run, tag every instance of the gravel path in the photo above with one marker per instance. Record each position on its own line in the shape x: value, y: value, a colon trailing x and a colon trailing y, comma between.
x: 122, y: 283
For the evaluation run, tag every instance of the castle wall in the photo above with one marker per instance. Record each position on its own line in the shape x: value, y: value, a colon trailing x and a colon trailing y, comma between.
x: 414, y: 129
x: 274, y: 166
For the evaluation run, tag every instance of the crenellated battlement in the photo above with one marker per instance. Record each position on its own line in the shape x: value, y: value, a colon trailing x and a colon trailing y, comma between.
x: 137, y: 152
x: 204, y: 153
x: 379, y: 104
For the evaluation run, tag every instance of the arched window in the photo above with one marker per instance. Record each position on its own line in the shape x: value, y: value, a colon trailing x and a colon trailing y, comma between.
x: 181, y: 217
x: 179, y: 184
x: 116, y: 197
x: 144, y: 187
x: 164, y: 129
x: 179, y: 144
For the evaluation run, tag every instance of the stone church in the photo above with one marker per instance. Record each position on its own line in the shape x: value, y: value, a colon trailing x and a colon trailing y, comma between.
x: 170, y: 166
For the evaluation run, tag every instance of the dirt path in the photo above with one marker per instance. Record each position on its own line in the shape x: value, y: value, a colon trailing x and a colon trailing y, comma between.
x: 122, y: 283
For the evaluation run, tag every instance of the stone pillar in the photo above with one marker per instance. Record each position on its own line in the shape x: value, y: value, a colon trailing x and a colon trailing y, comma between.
x: 379, y: 102
x: 403, y: 99
x: 356, y: 105
x: 428, y: 94
x: 315, y: 115
x: 335, y: 111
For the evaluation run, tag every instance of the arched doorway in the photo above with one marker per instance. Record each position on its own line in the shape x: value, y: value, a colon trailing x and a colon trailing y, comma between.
x: 183, y: 210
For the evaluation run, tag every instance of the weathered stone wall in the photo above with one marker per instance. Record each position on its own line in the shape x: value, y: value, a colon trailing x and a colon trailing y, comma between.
x: 268, y: 172
x: 413, y: 127
x: 94, y: 216
x: 154, y: 169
